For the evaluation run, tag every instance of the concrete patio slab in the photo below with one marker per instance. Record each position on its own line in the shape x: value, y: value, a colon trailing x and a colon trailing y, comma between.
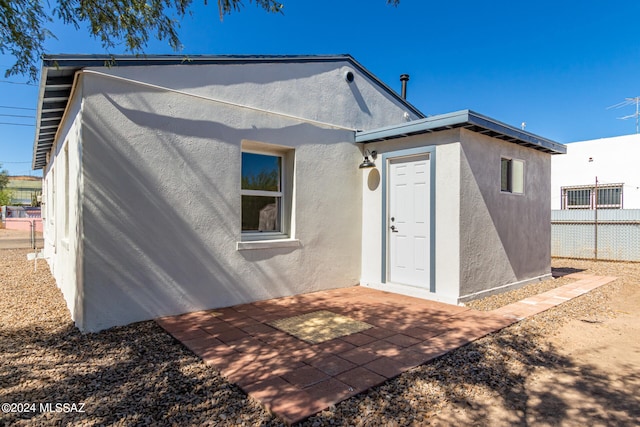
x: 295, y: 379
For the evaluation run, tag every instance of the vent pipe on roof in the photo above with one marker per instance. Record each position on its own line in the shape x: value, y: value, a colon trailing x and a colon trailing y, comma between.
x: 404, y: 78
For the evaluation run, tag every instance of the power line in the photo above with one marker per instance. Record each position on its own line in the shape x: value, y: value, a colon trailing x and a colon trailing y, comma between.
x: 15, y: 124
x: 18, y: 108
x: 16, y: 115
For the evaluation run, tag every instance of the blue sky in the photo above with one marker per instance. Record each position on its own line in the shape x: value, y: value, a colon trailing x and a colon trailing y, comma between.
x: 556, y: 65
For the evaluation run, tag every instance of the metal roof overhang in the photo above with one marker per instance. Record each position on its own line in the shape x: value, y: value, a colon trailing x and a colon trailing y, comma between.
x: 466, y: 119
x: 55, y: 90
x: 58, y: 73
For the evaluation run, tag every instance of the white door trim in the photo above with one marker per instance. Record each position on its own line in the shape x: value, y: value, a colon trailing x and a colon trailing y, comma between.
x: 386, y: 161
x: 408, y: 223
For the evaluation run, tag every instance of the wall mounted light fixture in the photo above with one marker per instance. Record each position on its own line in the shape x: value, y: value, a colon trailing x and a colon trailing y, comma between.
x: 368, y: 163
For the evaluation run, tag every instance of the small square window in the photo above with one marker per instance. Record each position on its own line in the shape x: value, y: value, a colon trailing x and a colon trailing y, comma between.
x: 512, y: 176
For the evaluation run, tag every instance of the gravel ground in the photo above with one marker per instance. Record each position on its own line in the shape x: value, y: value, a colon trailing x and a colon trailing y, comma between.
x: 139, y: 375
x: 496, y: 301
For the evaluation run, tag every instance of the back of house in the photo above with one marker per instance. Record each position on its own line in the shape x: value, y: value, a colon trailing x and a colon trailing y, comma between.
x: 176, y: 184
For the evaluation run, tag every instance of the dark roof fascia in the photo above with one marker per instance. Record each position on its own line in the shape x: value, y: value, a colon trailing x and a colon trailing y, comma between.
x: 64, y: 67
x: 83, y: 60
x: 463, y: 119
x: 44, y: 135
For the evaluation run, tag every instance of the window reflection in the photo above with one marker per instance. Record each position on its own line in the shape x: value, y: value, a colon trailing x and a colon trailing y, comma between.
x: 260, y: 213
x: 260, y: 172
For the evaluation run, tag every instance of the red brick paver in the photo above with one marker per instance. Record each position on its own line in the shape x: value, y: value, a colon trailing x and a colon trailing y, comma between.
x: 295, y: 379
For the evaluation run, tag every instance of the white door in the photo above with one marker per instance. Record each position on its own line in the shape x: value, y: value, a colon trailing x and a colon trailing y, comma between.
x: 408, y: 222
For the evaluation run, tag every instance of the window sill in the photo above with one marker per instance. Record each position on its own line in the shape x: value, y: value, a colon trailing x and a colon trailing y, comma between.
x: 268, y: 244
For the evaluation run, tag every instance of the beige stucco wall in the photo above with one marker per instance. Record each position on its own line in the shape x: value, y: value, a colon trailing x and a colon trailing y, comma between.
x: 505, y: 239
x: 161, y: 172
x: 485, y: 240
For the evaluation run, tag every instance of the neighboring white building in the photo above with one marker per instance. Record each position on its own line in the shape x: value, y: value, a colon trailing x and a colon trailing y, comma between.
x: 612, y: 161
x: 173, y: 186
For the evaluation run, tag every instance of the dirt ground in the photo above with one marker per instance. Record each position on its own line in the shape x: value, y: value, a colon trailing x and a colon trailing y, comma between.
x: 6, y: 234
x: 596, y: 380
x: 12, y: 239
x: 603, y: 351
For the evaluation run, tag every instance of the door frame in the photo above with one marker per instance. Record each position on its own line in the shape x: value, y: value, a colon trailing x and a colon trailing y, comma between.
x: 386, y: 160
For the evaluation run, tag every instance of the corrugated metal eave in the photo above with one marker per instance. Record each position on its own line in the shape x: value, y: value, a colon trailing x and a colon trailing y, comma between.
x: 462, y: 119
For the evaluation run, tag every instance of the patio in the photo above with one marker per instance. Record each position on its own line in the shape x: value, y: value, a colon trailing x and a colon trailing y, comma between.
x: 298, y: 377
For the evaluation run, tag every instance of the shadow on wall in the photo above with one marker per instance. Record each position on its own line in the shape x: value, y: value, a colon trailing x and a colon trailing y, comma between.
x: 485, y: 261
x: 186, y: 77
x: 160, y: 226
x: 522, y: 222
x: 300, y: 77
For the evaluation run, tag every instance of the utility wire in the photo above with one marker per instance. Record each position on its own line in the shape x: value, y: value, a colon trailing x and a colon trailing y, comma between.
x: 16, y: 115
x: 18, y: 108
x: 15, y: 124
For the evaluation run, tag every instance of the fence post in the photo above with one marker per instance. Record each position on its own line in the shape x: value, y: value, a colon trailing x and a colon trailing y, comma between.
x: 32, y: 226
x: 595, y: 222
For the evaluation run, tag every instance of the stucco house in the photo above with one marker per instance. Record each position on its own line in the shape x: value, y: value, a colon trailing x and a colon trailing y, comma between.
x: 610, y: 161
x: 173, y: 185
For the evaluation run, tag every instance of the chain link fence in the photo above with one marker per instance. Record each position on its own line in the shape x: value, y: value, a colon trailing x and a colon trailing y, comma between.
x: 20, y: 227
x: 604, y: 234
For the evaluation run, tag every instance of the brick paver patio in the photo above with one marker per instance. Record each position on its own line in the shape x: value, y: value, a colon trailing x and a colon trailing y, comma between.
x: 295, y: 379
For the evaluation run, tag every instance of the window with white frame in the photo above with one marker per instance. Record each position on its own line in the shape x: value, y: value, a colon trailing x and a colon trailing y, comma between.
x: 265, y: 192
x: 609, y: 196
x: 511, y: 175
